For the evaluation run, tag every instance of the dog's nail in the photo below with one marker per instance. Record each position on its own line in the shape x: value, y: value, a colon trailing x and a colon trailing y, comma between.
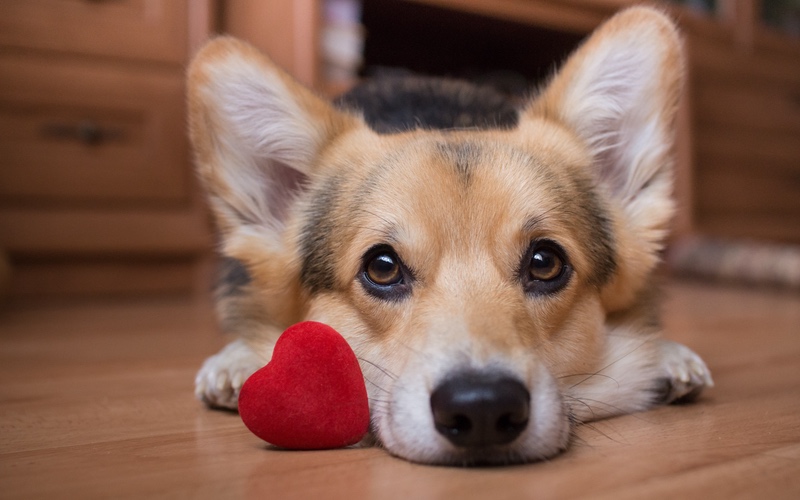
x: 200, y: 389
x: 683, y: 375
x: 708, y: 380
x: 238, y: 381
x: 221, y: 382
x: 701, y: 373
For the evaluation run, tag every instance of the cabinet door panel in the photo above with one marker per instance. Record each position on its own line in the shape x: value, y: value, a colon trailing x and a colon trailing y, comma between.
x: 78, y: 132
x: 140, y: 29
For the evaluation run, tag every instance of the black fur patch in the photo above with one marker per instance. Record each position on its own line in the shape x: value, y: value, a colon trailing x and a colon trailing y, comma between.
x: 232, y: 277
x: 319, y: 268
x: 600, y: 245
x: 392, y: 104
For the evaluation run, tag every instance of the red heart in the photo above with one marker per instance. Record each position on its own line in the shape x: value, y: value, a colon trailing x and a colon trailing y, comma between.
x: 311, y: 395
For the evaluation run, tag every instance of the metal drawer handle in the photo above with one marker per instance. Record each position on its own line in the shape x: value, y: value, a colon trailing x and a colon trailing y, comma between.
x: 87, y: 132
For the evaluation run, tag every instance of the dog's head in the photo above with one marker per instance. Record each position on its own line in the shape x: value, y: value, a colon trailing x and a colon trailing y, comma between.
x: 470, y: 270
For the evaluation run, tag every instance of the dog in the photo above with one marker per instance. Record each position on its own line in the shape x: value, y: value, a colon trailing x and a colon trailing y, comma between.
x: 490, y: 264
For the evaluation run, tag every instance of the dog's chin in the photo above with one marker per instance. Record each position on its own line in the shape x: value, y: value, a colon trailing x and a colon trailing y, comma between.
x: 527, y: 448
x: 486, y: 457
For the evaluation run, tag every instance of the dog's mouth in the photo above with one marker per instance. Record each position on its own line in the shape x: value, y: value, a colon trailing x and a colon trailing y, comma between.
x: 487, y: 457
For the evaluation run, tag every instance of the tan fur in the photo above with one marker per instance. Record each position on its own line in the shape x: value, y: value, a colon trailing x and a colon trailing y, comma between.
x: 556, y: 176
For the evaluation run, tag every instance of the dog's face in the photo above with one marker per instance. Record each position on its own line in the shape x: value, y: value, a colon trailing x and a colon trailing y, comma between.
x: 464, y: 256
x: 471, y: 271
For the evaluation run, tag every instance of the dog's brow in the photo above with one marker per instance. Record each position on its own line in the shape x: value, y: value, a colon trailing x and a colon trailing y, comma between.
x: 533, y: 223
x: 388, y: 230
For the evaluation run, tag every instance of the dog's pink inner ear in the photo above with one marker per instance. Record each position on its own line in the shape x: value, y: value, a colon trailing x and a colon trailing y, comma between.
x: 284, y: 185
x: 258, y: 135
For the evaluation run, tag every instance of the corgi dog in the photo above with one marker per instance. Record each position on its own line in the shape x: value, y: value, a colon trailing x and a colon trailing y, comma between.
x: 491, y: 265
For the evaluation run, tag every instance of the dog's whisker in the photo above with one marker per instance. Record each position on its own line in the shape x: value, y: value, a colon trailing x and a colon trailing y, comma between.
x: 417, y: 352
x: 603, y: 375
x: 379, y: 368
x: 616, y: 409
x: 598, y: 431
x: 584, y: 403
x: 598, y: 372
x: 376, y: 385
x: 579, y: 441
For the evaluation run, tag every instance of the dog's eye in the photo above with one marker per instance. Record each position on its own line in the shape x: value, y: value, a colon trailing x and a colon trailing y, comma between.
x: 545, y: 264
x: 545, y: 268
x: 384, y: 269
x: 384, y: 275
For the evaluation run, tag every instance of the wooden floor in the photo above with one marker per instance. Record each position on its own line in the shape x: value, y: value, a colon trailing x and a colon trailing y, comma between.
x: 96, y: 402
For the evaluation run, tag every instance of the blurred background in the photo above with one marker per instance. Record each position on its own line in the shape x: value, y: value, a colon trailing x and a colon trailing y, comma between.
x: 97, y: 193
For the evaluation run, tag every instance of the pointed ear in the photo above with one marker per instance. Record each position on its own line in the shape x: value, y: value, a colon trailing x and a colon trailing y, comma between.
x: 257, y: 136
x: 619, y: 94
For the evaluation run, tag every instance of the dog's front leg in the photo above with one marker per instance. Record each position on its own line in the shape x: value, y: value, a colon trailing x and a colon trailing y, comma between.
x: 636, y: 372
x: 222, y: 375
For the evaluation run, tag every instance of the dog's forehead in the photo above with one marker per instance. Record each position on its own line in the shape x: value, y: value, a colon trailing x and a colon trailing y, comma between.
x: 450, y: 179
x: 491, y: 192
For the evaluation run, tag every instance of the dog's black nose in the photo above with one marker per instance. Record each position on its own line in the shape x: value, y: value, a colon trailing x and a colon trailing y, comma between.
x: 478, y: 409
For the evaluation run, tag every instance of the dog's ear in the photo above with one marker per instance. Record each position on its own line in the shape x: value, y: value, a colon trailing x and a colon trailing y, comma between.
x: 619, y: 93
x: 257, y: 135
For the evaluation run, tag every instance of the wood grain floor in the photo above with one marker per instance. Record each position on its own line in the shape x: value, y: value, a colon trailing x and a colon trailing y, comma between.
x: 96, y: 402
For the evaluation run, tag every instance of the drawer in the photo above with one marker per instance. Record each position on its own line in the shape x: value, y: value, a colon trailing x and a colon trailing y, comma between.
x: 141, y: 29
x: 78, y: 132
x: 747, y: 152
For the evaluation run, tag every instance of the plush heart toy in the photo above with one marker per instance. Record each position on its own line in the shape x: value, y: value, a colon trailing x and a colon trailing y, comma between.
x: 311, y: 395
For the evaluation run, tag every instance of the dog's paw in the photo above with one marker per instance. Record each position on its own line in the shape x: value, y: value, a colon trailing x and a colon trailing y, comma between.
x: 221, y: 377
x: 685, y: 374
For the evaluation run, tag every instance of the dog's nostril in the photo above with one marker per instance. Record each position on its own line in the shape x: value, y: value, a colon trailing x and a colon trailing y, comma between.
x: 478, y: 409
x: 454, y: 425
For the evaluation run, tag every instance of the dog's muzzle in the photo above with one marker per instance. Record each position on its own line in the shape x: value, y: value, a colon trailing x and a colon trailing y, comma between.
x: 480, y: 409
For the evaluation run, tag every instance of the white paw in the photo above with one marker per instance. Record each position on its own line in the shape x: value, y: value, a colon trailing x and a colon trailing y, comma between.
x: 686, y: 374
x: 221, y: 377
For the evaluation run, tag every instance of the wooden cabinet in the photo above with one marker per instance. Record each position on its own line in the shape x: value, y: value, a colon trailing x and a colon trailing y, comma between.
x: 97, y: 193
x: 745, y: 83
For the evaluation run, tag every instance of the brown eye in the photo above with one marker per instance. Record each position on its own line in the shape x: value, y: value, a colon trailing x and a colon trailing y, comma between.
x: 546, y: 265
x: 384, y: 269
x: 384, y: 276
x: 545, y: 269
